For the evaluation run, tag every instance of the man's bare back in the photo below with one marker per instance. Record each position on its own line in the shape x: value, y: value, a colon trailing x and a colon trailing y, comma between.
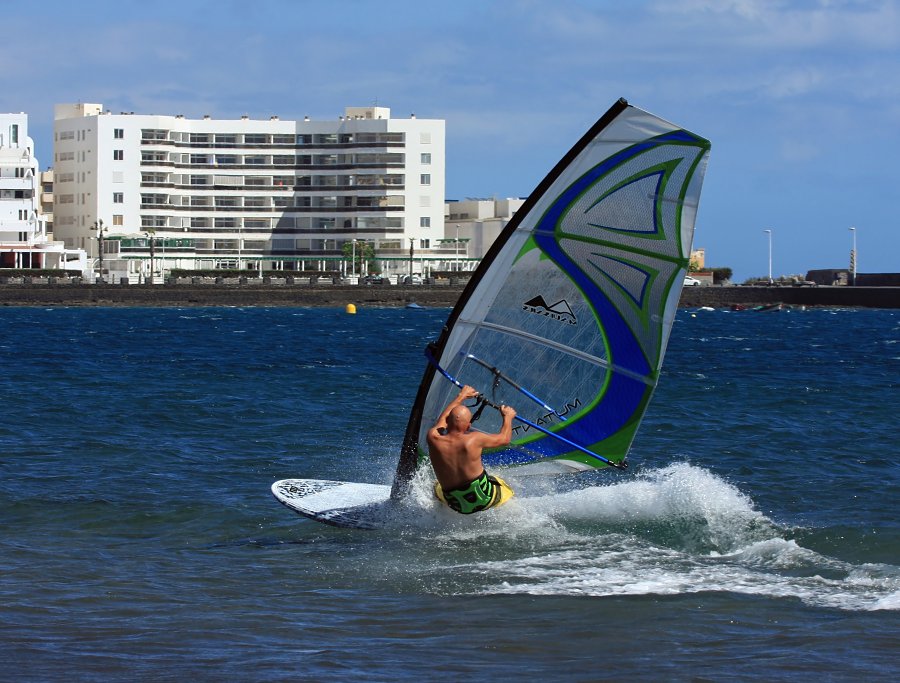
x: 455, y: 451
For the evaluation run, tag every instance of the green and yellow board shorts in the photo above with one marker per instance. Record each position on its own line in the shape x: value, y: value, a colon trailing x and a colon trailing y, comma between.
x: 483, y: 492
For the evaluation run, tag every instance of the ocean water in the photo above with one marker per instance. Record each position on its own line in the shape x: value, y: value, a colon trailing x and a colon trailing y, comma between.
x: 756, y: 534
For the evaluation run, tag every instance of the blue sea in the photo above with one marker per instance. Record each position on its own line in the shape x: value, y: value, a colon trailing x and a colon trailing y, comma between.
x: 755, y: 536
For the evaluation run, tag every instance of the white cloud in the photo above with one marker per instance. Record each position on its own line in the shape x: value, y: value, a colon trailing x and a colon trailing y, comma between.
x: 794, y: 82
x: 794, y: 151
x: 839, y: 25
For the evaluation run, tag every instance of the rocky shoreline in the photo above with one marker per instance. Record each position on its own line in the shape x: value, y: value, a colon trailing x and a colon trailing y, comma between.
x: 441, y: 295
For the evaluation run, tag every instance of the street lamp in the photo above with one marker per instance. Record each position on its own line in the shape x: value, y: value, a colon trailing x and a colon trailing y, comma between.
x: 411, y: 240
x: 457, y: 247
x: 162, y: 259
x: 770, y: 254
x: 853, y: 256
x: 150, y: 235
x: 101, y: 231
x: 353, y: 260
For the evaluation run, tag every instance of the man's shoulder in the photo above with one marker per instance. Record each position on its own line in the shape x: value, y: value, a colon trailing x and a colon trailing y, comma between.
x: 435, y: 432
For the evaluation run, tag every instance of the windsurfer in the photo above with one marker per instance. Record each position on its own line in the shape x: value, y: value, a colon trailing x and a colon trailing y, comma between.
x: 463, y: 484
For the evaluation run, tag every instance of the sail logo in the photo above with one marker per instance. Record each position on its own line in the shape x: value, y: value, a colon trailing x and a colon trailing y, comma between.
x: 560, y: 311
x: 548, y: 418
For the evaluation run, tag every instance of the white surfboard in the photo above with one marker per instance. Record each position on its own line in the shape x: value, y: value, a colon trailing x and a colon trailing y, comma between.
x: 345, y: 504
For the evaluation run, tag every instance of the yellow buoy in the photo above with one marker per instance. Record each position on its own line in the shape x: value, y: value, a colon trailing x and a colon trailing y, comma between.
x: 351, y: 308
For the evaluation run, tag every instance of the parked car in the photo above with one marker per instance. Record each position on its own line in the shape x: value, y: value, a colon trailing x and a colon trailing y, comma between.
x: 373, y: 279
x: 691, y: 281
x: 412, y: 280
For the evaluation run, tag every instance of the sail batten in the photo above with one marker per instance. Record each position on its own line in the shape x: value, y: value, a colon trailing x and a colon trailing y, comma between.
x: 575, y: 299
x: 575, y: 353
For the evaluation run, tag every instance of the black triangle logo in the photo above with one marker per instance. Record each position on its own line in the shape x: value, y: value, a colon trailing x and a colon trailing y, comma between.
x: 560, y: 311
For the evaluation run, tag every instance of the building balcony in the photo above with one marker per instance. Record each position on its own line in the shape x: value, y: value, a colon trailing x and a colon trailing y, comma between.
x: 356, y: 188
x: 211, y: 167
x: 199, y: 208
x: 305, y: 147
x: 17, y: 184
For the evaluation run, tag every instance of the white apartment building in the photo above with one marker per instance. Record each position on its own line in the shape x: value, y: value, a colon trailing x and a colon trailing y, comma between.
x: 24, y: 242
x: 249, y: 194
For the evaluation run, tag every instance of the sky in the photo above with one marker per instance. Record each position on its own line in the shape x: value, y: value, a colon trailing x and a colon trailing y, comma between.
x: 800, y: 99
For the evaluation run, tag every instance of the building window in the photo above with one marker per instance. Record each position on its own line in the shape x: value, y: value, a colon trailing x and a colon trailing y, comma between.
x: 426, y: 157
x: 118, y: 154
x: 424, y: 244
x: 425, y: 179
x: 118, y: 219
x: 425, y: 222
x: 118, y: 133
x: 118, y: 197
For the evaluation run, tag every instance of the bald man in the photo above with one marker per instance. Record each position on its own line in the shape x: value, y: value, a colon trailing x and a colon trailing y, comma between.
x: 463, y: 484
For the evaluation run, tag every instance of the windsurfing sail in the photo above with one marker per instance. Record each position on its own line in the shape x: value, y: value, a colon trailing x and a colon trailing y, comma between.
x: 568, y: 316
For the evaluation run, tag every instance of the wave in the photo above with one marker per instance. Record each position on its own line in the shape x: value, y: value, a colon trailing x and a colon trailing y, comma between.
x: 676, y: 530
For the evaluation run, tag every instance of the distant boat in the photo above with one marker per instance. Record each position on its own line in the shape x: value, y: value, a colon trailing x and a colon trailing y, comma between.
x: 768, y: 307
x: 414, y: 305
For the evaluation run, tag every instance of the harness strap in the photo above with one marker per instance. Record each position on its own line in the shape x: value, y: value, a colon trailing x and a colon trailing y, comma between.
x: 481, y: 405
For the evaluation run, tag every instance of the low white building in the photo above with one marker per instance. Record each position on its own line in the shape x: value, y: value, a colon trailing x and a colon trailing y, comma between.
x: 254, y: 195
x: 476, y: 223
x: 24, y: 242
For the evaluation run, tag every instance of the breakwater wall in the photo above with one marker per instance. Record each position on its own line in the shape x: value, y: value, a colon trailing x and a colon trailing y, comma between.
x: 442, y: 295
x: 226, y: 295
x: 719, y: 297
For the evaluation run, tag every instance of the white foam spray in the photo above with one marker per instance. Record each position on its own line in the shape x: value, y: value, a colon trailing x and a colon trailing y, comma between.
x: 680, y: 529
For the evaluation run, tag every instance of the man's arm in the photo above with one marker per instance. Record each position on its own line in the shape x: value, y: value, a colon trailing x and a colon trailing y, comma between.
x: 464, y: 393
x: 504, y: 436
